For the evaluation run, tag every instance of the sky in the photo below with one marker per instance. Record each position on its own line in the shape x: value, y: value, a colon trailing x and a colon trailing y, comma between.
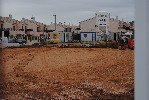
x: 69, y: 11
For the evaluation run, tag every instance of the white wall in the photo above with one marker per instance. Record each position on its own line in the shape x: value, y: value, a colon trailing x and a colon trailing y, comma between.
x: 14, y: 33
x: 62, y: 37
x: 7, y: 25
x: 32, y: 25
x: 58, y: 27
x: 88, y: 25
x: 113, y: 25
x: 88, y: 38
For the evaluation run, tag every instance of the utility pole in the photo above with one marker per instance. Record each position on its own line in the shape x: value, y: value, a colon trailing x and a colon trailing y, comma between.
x: 55, y: 22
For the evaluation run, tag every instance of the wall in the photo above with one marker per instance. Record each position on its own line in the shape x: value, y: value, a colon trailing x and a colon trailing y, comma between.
x: 55, y: 37
x: 113, y: 25
x: 32, y: 25
x: 59, y: 28
x: 62, y: 37
x: 88, y: 25
x: 14, y: 33
x: 87, y: 37
x: 7, y: 25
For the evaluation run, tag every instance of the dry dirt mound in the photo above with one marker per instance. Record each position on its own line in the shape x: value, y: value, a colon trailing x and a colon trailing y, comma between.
x: 81, y: 73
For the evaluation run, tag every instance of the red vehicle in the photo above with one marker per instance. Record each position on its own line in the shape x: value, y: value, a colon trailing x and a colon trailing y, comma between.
x: 131, y: 44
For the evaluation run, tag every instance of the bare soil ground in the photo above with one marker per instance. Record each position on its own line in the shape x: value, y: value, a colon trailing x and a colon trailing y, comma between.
x: 67, y: 74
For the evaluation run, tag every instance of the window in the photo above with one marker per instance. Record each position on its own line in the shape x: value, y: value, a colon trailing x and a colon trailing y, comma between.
x: 1, y: 26
x: 14, y: 28
x: 35, y: 37
x: 104, y: 19
x: 85, y: 35
x: 38, y: 39
x: 96, y: 26
x: 105, y: 15
x: 102, y: 15
x: 32, y: 37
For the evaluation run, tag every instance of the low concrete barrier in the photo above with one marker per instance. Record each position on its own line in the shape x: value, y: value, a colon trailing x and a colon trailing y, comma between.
x: 10, y: 45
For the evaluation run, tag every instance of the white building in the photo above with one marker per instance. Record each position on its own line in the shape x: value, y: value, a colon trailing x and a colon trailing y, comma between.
x: 88, y: 36
x: 31, y: 30
x: 102, y: 20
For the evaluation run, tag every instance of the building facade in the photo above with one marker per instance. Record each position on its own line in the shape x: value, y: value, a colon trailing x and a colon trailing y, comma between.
x: 31, y: 30
x: 102, y: 20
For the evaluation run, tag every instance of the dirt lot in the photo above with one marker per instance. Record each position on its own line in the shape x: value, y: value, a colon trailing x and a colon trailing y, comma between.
x: 67, y: 73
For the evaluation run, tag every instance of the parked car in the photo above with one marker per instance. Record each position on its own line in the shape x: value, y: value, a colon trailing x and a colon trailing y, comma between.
x: 15, y: 40
x: 21, y: 41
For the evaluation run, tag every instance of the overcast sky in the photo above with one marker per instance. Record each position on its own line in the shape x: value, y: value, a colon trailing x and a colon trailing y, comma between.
x: 69, y: 11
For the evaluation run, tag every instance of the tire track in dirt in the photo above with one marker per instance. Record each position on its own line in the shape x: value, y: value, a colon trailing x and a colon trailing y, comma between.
x: 29, y: 80
x: 21, y: 78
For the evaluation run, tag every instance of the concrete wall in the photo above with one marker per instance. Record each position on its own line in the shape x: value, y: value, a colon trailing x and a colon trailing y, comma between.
x: 62, y: 37
x: 32, y: 25
x: 14, y: 33
x: 88, y: 25
x: 115, y: 26
x: 87, y: 37
x: 55, y: 37
x: 7, y: 25
x: 59, y: 28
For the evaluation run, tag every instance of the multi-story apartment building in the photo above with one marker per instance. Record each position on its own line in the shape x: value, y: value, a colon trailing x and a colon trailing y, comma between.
x: 114, y: 25
x: 30, y: 29
x: 25, y: 29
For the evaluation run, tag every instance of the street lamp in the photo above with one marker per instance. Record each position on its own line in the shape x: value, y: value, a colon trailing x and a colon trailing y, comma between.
x: 55, y: 22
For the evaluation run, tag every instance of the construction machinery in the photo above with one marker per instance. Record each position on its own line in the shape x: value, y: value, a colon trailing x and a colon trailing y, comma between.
x: 126, y: 41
